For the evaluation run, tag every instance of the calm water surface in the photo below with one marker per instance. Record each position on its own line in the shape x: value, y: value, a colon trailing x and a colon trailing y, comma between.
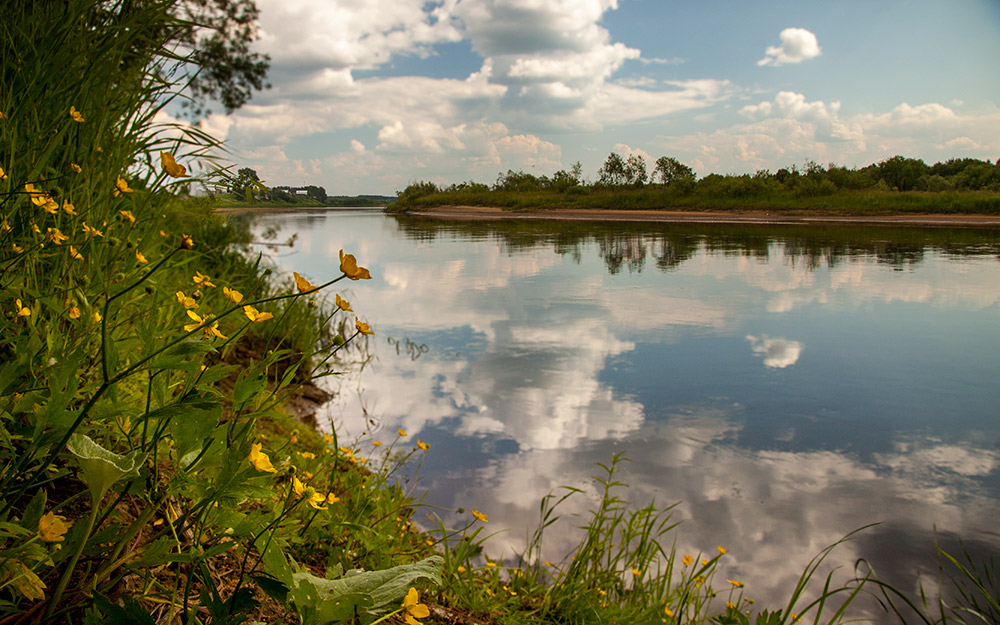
x: 786, y: 386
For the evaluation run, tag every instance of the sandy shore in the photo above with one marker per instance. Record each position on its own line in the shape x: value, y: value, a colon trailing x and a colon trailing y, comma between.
x: 726, y: 217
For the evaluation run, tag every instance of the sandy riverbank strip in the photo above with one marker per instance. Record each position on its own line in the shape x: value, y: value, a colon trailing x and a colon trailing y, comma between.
x: 707, y: 217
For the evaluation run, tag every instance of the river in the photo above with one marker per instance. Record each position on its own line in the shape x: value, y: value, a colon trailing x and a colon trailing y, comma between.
x: 786, y: 385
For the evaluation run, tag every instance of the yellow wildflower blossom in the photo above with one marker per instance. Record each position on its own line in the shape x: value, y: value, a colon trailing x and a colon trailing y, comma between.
x: 53, y: 527
x: 308, y: 455
x: 35, y: 228
x: 121, y: 186
x: 69, y: 208
x: 735, y: 583
x: 171, y: 167
x: 33, y: 192
x: 730, y: 605
x: 74, y: 312
x: 232, y: 295
x: 667, y: 611
x: 344, y: 305
x: 187, y: 302
x: 687, y: 560
x: 331, y: 498
x: 4, y: 226
x: 255, y: 315
x: 722, y: 550
x: 140, y: 257
x: 480, y: 516
x: 198, y: 321
x: 17, y: 248
x: 75, y: 253
x: 377, y: 443
x: 303, y: 285
x: 94, y: 232
x: 55, y: 236
x: 423, y: 445
x: 412, y: 609
x: 186, y: 241
x: 200, y: 279
x: 363, y: 328
x: 76, y: 168
x: 97, y: 317
x: 22, y: 311
x: 127, y: 215
x: 259, y: 459
x: 75, y: 114
x: 636, y: 572
x: 3, y: 176
x: 349, y: 265
x: 460, y: 569
x: 401, y: 432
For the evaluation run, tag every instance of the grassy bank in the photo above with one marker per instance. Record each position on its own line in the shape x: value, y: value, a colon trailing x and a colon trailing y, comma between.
x: 717, y: 197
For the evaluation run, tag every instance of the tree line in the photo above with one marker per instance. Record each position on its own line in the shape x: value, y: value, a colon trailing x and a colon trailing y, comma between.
x: 897, y: 173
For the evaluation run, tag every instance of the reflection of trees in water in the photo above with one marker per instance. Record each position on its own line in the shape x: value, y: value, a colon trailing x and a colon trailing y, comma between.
x: 627, y: 245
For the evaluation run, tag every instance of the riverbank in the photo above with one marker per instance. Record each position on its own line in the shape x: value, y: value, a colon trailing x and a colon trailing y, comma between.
x: 708, y: 217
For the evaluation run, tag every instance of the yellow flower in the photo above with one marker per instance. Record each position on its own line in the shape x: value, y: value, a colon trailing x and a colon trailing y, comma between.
x: 22, y: 311
x: 412, y: 610
x: 308, y: 455
x: 74, y: 312
x: 35, y: 228
x: 480, y: 516
x: 4, y: 226
x: 547, y: 563
x: 74, y: 253
x: 53, y: 527
x: 170, y: 166
x: 401, y: 432
x: 735, y: 584
x: 121, y: 186
x: 17, y: 248
x: 33, y: 193
x: 97, y: 317
x: 687, y: 560
x: 362, y: 327
x: 69, y: 208
x: 730, y: 605
x: 232, y: 295
x: 200, y: 279
x: 344, y: 305
x: 667, y: 610
x: 127, y: 215
x: 139, y: 257
x: 76, y: 168
x: 55, y: 236
x: 255, y: 315
x: 460, y: 569
x: 722, y: 550
x: 303, y: 285
x: 602, y: 592
x: 259, y: 459
x: 94, y: 232
x: 796, y: 617
x: 186, y: 301
x: 212, y: 330
x: 349, y: 265
x: 377, y: 443
x: 186, y: 241
x: 636, y: 572
x: 331, y: 498
x: 75, y: 114
x: 3, y: 176
x: 423, y: 445
x: 198, y: 321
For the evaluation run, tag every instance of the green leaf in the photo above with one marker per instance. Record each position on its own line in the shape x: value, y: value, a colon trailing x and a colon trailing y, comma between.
x: 130, y: 612
x: 34, y: 510
x: 102, y: 468
x: 321, y: 601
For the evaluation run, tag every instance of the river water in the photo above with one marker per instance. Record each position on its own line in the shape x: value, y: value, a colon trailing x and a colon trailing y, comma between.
x: 786, y: 385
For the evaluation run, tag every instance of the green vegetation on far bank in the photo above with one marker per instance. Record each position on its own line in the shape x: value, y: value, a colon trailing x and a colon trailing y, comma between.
x: 894, y: 186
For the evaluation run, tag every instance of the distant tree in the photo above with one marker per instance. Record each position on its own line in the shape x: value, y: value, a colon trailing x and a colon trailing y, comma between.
x: 902, y: 173
x: 613, y: 172
x: 577, y: 172
x: 317, y: 193
x: 669, y: 169
x: 635, y: 170
x: 517, y: 181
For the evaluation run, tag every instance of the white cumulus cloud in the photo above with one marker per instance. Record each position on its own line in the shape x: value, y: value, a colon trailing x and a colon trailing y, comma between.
x: 797, y: 45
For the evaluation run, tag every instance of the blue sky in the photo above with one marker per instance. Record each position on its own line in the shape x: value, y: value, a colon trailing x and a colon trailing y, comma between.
x: 369, y: 96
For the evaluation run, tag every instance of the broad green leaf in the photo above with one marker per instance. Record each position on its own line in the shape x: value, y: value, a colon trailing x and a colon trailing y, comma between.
x: 321, y: 601
x: 102, y: 468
